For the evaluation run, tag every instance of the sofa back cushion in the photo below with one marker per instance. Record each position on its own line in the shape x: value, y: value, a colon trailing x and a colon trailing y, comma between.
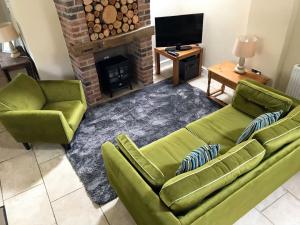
x: 187, y: 190
x: 144, y: 166
x: 255, y: 100
x: 280, y: 134
x: 23, y: 93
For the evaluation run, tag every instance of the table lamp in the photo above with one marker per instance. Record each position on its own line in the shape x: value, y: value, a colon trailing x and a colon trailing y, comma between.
x: 8, y: 34
x: 244, y: 47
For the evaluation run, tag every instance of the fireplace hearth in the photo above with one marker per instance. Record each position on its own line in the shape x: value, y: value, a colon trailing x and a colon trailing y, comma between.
x: 83, y: 51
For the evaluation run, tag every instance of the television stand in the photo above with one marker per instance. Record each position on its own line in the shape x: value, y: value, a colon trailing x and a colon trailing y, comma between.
x: 179, y: 48
x: 183, y: 54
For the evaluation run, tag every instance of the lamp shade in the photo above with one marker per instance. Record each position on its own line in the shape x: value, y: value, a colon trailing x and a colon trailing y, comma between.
x: 7, y: 32
x: 245, y: 46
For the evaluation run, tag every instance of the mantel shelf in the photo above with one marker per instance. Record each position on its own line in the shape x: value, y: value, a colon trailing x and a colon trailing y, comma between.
x: 111, y: 42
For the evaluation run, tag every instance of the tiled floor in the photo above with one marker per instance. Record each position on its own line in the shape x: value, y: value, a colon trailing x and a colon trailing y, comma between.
x: 40, y: 188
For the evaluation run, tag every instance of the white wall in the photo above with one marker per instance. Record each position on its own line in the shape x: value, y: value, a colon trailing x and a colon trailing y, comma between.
x: 292, y: 55
x: 4, y: 13
x: 223, y: 22
x: 43, y: 35
x: 270, y: 21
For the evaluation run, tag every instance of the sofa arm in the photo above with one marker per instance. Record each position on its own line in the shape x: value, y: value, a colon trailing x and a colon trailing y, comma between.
x: 37, y: 126
x: 138, y: 197
x: 63, y: 90
x: 148, y: 170
x: 256, y: 100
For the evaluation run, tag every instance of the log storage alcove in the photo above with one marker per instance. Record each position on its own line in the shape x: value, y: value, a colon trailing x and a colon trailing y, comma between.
x: 107, y: 18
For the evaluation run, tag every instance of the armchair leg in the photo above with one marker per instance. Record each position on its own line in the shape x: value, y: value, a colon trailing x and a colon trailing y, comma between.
x: 27, y: 146
x: 66, y: 146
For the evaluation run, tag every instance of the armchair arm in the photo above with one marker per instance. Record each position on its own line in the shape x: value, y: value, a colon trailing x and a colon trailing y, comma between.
x: 63, y: 90
x: 37, y: 126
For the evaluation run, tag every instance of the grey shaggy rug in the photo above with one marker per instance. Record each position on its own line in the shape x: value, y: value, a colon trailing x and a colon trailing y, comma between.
x: 145, y: 115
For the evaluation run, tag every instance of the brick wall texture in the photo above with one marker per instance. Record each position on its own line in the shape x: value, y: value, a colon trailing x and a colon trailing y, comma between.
x: 72, y: 18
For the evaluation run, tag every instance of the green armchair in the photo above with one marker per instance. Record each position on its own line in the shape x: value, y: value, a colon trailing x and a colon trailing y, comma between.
x: 42, y: 111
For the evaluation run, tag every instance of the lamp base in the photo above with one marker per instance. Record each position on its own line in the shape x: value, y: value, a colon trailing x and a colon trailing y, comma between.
x: 240, y: 69
x: 15, y: 54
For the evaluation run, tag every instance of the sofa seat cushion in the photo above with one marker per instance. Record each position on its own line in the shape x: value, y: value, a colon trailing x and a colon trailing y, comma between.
x: 280, y: 134
x: 188, y: 190
x: 221, y: 127
x: 72, y: 110
x: 167, y: 153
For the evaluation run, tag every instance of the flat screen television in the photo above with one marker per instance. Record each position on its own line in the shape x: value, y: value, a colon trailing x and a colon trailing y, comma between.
x: 179, y: 30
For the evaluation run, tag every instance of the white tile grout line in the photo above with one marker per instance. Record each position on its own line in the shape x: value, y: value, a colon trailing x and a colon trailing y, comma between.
x: 274, y: 202
x: 45, y: 187
x: 262, y: 212
x: 64, y: 154
x: 104, y: 215
x: 25, y: 152
x: 71, y: 192
x: 1, y: 193
x: 21, y: 192
x: 287, y: 190
x: 51, y: 202
x: 263, y: 215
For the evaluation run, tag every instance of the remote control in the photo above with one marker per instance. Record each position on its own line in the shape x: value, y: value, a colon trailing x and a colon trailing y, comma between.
x: 173, y: 53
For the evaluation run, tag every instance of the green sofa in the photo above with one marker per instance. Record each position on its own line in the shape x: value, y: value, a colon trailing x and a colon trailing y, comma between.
x: 224, y: 189
x: 42, y: 111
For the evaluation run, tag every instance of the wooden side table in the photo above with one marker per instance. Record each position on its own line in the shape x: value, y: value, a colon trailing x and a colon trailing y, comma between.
x: 224, y: 73
x: 8, y: 64
x: 195, y: 51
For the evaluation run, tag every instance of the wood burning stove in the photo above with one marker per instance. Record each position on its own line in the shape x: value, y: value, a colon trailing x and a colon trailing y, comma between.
x: 114, y: 73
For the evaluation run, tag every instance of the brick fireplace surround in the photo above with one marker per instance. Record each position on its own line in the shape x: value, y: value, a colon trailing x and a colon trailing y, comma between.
x: 82, y: 49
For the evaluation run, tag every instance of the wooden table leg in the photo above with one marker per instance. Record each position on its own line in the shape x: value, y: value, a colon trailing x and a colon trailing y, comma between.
x: 208, y: 85
x: 30, y: 71
x: 157, y: 63
x: 223, y: 88
x: 175, y: 72
x: 6, y: 72
x: 200, y: 62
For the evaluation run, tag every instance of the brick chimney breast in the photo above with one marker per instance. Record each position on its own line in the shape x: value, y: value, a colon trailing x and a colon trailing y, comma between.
x: 73, y: 20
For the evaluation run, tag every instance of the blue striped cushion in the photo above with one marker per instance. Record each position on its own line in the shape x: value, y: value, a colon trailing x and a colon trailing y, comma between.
x: 198, y: 158
x: 260, y: 122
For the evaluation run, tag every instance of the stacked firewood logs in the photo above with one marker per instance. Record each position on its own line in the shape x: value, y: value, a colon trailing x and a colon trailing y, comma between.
x: 110, y: 17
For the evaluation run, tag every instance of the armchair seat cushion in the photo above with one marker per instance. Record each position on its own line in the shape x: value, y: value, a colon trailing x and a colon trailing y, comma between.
x: 72, y: 110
